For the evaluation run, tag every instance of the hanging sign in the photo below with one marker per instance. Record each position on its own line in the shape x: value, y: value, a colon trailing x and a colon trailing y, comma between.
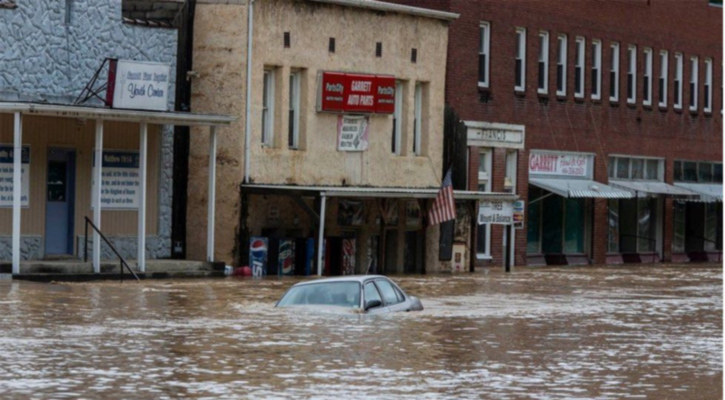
x: 497, y: 212
x: 6, y: 176
x: 352, y: 133
x: 355, y: 93
x: 558, y: 164
x: 120, y: 180
x: 138, y: 85
x: 519, y: 214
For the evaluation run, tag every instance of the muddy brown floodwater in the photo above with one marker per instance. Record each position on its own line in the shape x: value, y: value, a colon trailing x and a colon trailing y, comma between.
x: 653, y: 332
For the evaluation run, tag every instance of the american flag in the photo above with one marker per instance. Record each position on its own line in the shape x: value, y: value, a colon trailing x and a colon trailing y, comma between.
x: 444, y: 206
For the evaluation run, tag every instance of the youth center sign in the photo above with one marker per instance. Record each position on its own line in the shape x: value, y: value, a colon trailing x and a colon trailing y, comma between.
x: 355, y: 93
x: 6, y: 176
x: 138, y: 85
x: 120, y: 180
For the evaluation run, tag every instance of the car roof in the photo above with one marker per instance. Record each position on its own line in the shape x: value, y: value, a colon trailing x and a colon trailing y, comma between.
x: 347, y: 278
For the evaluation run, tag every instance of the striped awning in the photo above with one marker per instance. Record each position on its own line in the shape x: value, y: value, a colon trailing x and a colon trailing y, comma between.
x: 580, y: 188
x: 709, y: 192
x: 652, y: 188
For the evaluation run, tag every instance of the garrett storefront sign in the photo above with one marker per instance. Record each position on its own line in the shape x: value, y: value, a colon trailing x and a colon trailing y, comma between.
x: 355, y: 93
x: 545, y: 163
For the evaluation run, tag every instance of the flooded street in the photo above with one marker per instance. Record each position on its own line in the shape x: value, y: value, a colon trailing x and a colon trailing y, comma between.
x: 606, y: 333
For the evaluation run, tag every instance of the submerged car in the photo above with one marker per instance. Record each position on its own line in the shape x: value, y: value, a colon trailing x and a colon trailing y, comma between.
x: 368, y: 293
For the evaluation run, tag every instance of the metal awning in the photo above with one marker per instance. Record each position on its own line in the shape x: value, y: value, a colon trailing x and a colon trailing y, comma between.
x: 652, y: 188
x: 580, y: 188
x: 372, y: 192
x: 709, y: 192
x: 114, y: 114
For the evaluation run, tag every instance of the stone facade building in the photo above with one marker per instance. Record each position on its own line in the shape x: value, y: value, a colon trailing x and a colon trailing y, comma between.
x: 621, y: 106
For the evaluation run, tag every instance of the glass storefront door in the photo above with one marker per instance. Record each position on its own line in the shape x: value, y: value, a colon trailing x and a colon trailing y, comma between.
x: 556, y: 224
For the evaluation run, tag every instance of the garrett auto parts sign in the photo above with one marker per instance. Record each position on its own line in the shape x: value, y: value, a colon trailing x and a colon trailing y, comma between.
x: 355, y: 93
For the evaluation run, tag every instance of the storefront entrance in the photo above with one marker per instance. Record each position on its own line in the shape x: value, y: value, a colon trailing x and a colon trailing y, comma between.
x: 557, y: 226
x: 60, y: 201
x: 698, y: 230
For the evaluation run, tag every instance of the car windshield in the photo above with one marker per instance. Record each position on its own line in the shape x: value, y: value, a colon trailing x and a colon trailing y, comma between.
x: 343, y: 294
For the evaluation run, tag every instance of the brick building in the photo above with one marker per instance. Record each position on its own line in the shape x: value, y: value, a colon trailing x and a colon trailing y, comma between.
x: 619, y: 107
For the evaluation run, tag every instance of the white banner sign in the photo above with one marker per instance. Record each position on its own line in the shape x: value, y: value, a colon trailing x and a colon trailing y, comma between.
x: 497, y: 212
x: 352, y: 133
x: 141, y: 85
x: 120, y: 180
x: 558, y: 164
x: 6, y: 176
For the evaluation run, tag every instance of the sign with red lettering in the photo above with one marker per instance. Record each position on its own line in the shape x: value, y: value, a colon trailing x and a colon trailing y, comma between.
x: 355, y: 93
x: 544, y: 163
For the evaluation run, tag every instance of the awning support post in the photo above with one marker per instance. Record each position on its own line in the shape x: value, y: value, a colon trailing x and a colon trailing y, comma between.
x: 96, y: 198
x: 212, y: 195
x: 143, y: 156
x: 321, y: 233
x: 17, y: 189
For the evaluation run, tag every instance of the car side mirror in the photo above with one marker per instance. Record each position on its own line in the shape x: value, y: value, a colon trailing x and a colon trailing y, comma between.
x: 372, y: 304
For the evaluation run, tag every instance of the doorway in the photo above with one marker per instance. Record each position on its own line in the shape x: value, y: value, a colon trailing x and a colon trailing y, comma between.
x: 60, y: 201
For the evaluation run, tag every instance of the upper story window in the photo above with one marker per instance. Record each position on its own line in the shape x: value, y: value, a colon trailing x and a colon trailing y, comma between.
x: 484, y: 54
x: 614, y: 74
x: 632, y: 75
x: 520, y: 67
x: 543, y: 84
x: 293, y: 137
x: 268, y: 108
x: 698, y: 172
x: 647, y: 78
x: 708, y: 85
x: 596, y: 69
x: 561, y: 66
x: 417, y: 122
x: 678, y: 80
x: 693, y: 83
x: 484, y: 170
x: 636, y: 168
x: 662, y: 89
x: 579, y: 68
x: 396, y: 145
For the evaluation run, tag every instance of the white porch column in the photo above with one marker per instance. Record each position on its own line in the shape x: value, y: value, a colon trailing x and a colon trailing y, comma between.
x: 96, y: 198
x: 17, y: 189
x: 321, y: 233
x: 212, y: 195
x: 142, y: 162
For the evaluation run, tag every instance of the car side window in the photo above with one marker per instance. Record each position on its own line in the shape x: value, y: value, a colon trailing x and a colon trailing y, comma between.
x: 401, y: 297
x: 388, y: 292
x: 371, y: 293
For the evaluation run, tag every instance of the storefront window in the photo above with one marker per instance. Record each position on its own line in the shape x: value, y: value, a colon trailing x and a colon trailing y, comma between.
x: 713, y: 230
x: 637, y: 168
x: 689, y: 171
x: 652, y: 168
x: 678, y: 171
x: 482, y: 240
x: 646, y: 224
x: 705, y: 172
x: 623, y: 168
x: 717, y: 173
x: 552, y: 218
x: 533, y: 233
x: 678, y: 242
x: 574, y: 226
x: 613, y: 226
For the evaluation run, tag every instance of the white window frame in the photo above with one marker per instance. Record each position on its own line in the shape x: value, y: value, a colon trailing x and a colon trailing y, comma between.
x: 580, y: 64
x: 647, y: 94
x: 561, y: 62
x: 487, y: 154
x: 632, y: 70
x: 295, y: 85
x: 267, y: 130
x: 694, y: 82
x: 679, y: 76
x: 708, y: 85
x: 398, y: 119
x: 543, y: 59
x: 521, y: 55
x: 664, y: 72
x: 597, y: 68
x: 614, y: 68
x: 485, y: 50
x: 417, y: 124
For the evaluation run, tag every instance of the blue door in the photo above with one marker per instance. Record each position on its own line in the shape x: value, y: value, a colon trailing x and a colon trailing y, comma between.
x: 59, y: 201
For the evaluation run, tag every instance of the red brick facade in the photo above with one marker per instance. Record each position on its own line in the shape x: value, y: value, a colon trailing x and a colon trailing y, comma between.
x: 693, y: 28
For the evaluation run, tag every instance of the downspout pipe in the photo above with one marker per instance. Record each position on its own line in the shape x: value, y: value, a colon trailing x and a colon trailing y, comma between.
x: 248, y: 113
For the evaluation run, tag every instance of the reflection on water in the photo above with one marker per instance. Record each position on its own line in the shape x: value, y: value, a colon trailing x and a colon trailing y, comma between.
x: 606, y: 333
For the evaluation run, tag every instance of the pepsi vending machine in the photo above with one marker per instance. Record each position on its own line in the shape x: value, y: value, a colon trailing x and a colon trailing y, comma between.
x: 258, y: 249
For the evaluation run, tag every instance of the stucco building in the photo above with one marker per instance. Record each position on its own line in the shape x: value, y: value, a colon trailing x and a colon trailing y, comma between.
x: 345, y: 125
